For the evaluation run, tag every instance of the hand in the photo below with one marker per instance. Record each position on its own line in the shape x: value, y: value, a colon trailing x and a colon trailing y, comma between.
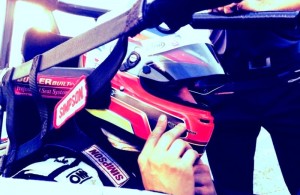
x: 203, y: 181
x: 166, y: 161
x: 227, y: 9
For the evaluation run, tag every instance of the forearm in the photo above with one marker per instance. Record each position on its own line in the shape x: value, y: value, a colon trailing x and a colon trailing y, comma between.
x: 285, y: 5
x: 270, y: 5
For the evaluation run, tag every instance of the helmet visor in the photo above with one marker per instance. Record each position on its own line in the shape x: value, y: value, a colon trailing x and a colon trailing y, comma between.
x: 188, y: 62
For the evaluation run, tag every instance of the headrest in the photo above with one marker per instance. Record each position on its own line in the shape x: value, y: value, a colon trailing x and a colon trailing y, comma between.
x: 37, y: 42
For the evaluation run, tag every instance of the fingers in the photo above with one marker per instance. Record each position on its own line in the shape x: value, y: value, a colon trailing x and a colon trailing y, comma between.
x: 169, y: 137
x: 228, y: 9
x: 231, y: 8
x: 203, y: 180
x: 168, y: 144
x: 178, y: 147
x: 156, y: 133
x: 201, y: 168
x: 190, y: 157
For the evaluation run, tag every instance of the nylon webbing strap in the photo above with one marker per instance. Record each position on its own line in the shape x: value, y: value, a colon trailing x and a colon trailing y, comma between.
x: 34, y: 144
x: 41, y: 105
x: 110, y: 26
x: 97, y: 80
x: 102, y: 75
x: 8, y: 94
x: 16, y: 150
x: 2, y: 107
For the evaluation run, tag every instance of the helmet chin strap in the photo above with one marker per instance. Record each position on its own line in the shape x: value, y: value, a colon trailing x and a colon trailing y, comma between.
x: 119, y: 143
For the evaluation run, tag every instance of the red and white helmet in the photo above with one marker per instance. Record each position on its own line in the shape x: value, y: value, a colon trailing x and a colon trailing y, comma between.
x: 164, y: 75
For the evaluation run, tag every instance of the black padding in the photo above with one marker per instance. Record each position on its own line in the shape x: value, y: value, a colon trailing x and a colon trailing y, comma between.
x: 37, y: 42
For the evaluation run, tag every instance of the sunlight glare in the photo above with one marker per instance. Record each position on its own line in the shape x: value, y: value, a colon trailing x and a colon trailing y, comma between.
x: 31, y: 15
x: 26, y: 15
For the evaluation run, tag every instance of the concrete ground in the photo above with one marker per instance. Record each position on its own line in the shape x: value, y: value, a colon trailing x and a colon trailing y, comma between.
x: 267, y: 175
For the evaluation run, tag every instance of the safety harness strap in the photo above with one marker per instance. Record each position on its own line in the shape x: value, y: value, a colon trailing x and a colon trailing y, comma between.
x: 97, y: 83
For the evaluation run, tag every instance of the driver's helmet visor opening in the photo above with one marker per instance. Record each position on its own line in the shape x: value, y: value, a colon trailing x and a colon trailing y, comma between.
x: 192, y: 66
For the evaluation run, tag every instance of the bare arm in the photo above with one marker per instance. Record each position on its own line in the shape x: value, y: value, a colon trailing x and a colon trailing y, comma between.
x: 260, y: 5
x: 269, y: 5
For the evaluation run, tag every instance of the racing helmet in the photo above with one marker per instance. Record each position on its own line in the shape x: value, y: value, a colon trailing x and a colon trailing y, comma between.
x: 162, y: 74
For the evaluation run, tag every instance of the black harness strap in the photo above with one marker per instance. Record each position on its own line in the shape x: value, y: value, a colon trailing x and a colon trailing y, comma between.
x: 2, y: 106
x: 34, y: 144
x: 98, y: 81
x: 16, y: 150
x: 8, y: 95
x: 41, y: 105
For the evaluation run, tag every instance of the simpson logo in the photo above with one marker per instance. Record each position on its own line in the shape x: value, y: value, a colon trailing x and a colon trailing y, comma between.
x: 74, y: 101
x: 107, y: 165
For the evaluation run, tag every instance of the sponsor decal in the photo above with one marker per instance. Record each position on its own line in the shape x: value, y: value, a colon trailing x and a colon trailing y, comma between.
x: 46, y: 92
x: 78, y: 176
x: 107, y: 165
x: 70, y: 104
x: 52, y: 81
x: 49, y: 86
